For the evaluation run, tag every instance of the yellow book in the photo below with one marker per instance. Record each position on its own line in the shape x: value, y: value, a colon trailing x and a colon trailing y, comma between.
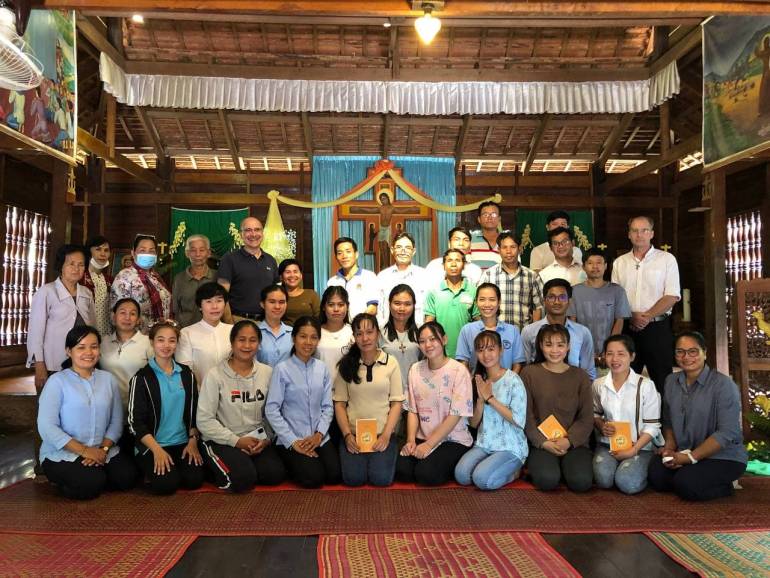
x: 551, y: 428
x: 366, y: 434
x: 622, y: 439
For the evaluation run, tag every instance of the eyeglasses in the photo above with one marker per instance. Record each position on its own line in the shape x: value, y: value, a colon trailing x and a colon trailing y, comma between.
x: 489, y: 215
x: 692, y: 352
x: 251, y: 230
x: 563, y: 298
x: 398, y: 249
x: 642, y: 231
x: 561, y: 243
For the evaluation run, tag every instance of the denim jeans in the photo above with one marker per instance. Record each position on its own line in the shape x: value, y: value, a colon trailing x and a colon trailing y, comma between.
x: 630, y: 476
x: 487, y: 470
x: 376, y: 468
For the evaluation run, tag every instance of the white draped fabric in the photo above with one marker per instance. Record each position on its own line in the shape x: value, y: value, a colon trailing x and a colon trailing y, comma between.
x: 417, y: 98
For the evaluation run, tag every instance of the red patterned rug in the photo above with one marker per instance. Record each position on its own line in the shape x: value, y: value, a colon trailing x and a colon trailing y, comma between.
x: 515, y: 485
x: 37, y: 508
x: 462, y: 555
x: 90, y: 555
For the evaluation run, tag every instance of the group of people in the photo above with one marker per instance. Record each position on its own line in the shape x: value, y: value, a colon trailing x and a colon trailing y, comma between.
x: 425, y: 375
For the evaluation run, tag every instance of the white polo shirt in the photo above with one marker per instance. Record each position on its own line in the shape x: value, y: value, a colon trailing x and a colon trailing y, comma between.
x: 414, y: 276
x: 648, y: 279
x: 574, y: 273
x: 362, y: 290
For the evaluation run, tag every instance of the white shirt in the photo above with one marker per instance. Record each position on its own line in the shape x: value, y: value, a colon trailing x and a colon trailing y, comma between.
x: 414, y: 276
x: 332, y: 346
x: 542, y: 256
x: 361, y: 288
x: 203, y: 346
x: 435, y: 273
x: 646, y: 281
x: 620, y: 405
x: 123, y: 360
x: 574, y: 273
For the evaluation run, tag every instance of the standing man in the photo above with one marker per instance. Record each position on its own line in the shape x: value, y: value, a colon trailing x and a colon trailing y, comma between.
x: 246, y: 271
x: 581, y: 346
x: 404, y: 271
x: 542, y: 256
x: 651, y: 280
x: 521, y: 289
x: 361, y: 284
x: 565, y: 266
x: 600, y: 305
x: 484, y: 250
x: 197, y: 249
x: 460, y: 239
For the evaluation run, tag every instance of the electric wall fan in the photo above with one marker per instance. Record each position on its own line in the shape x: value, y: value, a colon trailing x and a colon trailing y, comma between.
x: 19, y: 69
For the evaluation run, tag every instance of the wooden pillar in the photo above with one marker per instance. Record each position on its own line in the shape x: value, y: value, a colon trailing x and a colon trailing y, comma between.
x: 715, y: 285
x: 61, y: 211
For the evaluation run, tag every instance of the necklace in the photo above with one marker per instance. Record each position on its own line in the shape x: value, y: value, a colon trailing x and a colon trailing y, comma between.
x: 401, y: 342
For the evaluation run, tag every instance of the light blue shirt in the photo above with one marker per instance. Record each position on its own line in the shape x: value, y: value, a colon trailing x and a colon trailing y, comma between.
x: 274, y: 348
x: 172, y: 430
x: 299, y: 400
x: 581, y: 344
x: 495, y: 432
x: 513, y: 351
x: 87, y: 410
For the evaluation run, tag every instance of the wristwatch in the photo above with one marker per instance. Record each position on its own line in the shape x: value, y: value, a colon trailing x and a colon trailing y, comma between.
x: 105, y: 449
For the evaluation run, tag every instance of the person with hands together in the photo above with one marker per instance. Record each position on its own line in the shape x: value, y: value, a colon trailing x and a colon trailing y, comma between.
x: 299, y: 409
x: 368, y: 386
x: 162, y: 405
x: 703, y: 452
x: 439, y: 405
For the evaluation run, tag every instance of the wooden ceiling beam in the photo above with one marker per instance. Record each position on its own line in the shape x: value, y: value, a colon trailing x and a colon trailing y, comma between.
x: 690, y: 42
x: 150, y: 130
x: 96, y: 33
x: 101, y: 150
x: 228, y: 130
x: 460, y: 148
x: 614, y: 138
x: 307, y: 132
x: 534, y: 144
x: 386, y: 135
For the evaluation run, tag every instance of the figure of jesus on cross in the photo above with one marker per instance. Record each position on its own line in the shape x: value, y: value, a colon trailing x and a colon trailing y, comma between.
x: 383, y: 233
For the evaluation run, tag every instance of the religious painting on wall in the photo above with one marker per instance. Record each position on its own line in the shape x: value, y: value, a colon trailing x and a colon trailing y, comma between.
x: 736, y: 88
x: 47, y: 113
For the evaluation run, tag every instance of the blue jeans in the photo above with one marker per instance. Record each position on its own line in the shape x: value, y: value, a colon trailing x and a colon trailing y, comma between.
x: 487, y: 470
x: 630, y: 476
x: 376, y: 468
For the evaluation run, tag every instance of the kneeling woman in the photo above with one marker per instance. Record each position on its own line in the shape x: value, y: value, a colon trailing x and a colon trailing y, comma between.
x: 368, y: 387
x: 563, y: 391
x: 162, y: 402
x: 80, y: 419
x: 236, y: 437
x: 299, y: 409
x: 501, y: 409
x: 704, y: 451
x: 439, y: 403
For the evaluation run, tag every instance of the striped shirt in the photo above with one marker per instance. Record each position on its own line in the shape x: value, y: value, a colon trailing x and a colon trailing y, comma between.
x: 521, y: 294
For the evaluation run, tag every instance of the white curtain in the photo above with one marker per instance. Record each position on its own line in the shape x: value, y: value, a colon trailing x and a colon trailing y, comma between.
x: 418, y: 98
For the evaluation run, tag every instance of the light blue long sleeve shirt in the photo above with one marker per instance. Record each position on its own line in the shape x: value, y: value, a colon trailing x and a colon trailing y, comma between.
x: 87, y: 410
x: 299, y: 400
x: 274, y: 348
x: 581, y: 345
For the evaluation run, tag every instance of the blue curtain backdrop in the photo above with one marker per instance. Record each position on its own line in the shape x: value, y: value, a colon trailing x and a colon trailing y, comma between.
x: 334, y: 175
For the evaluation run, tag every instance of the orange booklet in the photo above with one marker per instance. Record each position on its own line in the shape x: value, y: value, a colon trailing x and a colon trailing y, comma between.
x: 622, y: 438
x: 366, y: 434
x: 551, y: 428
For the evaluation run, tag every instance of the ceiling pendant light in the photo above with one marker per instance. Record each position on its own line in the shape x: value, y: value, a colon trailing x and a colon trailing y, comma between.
x: 426, y: 25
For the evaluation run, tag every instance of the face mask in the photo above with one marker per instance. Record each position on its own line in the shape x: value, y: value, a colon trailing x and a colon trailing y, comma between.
x: 98, y: 266
x: 146, y: 260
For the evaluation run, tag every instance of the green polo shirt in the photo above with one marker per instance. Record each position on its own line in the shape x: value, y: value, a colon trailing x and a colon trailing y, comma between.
x: 452, y: 310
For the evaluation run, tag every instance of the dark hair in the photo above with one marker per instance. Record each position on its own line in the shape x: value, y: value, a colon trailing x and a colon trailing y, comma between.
x: 139, y: 238
x: 334, y: 290
x: 558, y: 231
x: 462, y: 230
x: 435, y: 328
x: 411, y: 324
x: 270, y: 289
x: 594, y: 252
x: 446, y: 254
x: 552, y: 216
x: 342, y: 240
x: 96, y: 241
x: 404, y: 235
x: 286, y: 263
x: 348, y: 364
x: 75, y: 336
x: 304, y: 321
x: 558, y: 282
x: 627, y: 342
x: 243, y: 323
x: 495, y: 288
x: 120, y: 302
x: 163, y: 324
x: 549, y: 331
x: 480, y: 341
x: 697, y: 336
x: 486, y: 204
x: 65, y: 250
x: 209, y: 291
x: 508, y: 235
x: 649, y: 219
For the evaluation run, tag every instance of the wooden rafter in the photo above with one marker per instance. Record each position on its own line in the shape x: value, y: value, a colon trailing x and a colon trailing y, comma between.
x: 534, y: 144
x: 614, y: 138
x: 308, y: 134
x: 150, y: 130
x: 100, y: 149
x: 228, y: 130
x: 460, y: 148
x: 386, y: 135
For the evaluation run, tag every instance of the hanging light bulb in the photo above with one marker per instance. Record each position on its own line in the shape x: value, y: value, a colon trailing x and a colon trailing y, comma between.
x: 426, y: 25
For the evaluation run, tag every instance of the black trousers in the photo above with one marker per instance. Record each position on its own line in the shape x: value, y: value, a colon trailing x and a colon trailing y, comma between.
x: 654, y: 349
x: 313, y: 472
x: 80, y: 482
x: 547, y: 469
x: 436, y: 469
x: 182, y: 474
x: 706, y: 480
x: 237, y: 471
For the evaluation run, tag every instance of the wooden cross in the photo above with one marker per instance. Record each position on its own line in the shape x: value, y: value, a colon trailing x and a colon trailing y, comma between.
x: 665, y: 247
x: 601, y: 246
x: 162, y: 246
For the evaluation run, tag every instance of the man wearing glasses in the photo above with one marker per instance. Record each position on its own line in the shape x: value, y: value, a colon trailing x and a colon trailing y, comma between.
x: 404, y: 271
x: 562, y: 241
x: 542, y: 256
x: 484, y: 250
x: 557, y: 294
x: 651, y: 280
